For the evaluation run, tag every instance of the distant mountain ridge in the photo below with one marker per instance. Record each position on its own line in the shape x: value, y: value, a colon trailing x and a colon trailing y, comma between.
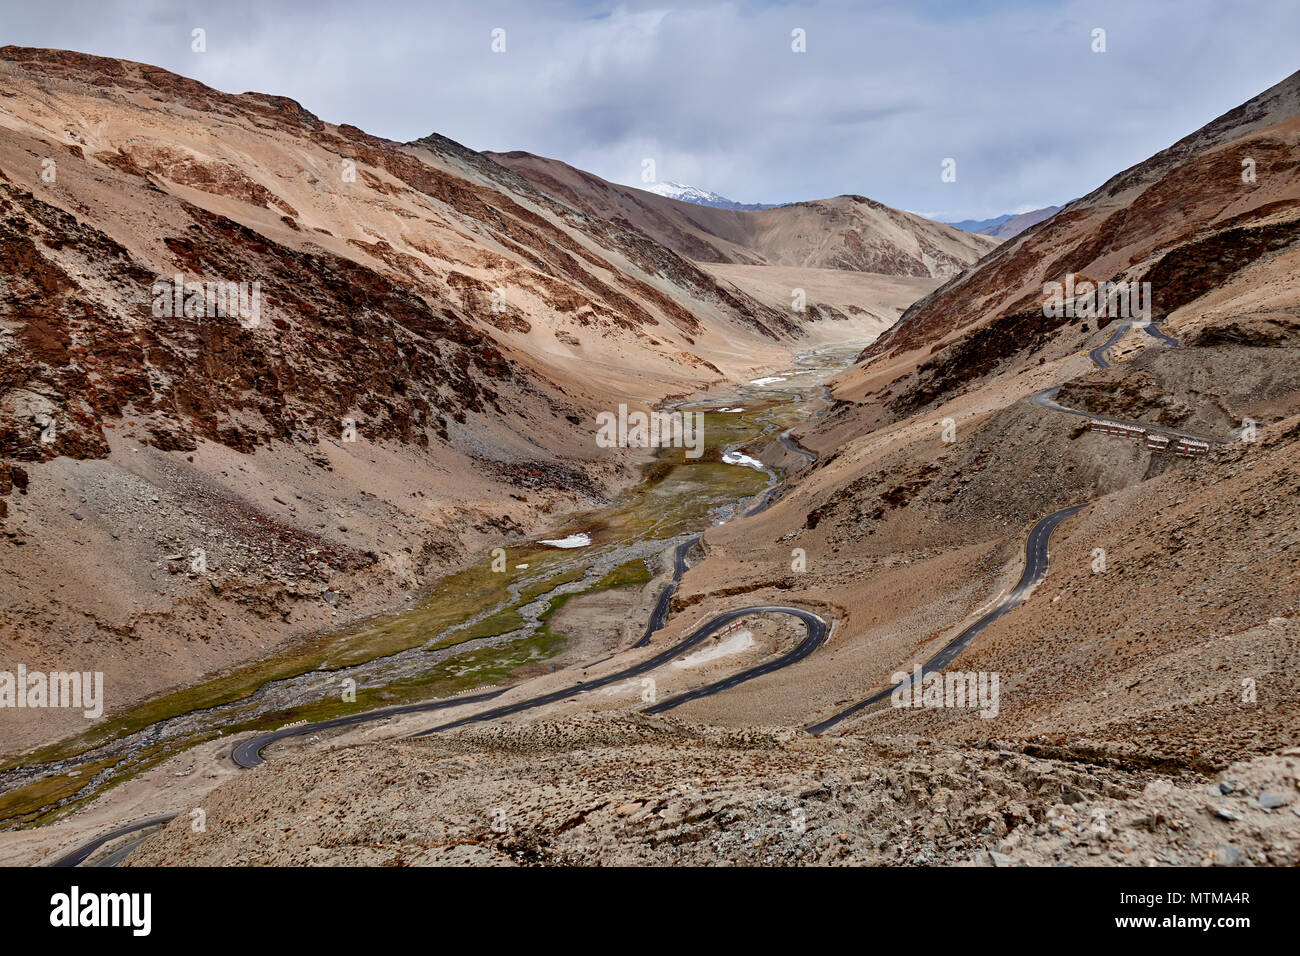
x: 976, y: 225
x: 851, y: 233
x: 1006, y: 226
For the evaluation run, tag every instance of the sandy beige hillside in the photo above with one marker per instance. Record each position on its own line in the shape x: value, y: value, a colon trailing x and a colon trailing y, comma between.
x: 833, y: 299
x: 847, y: 232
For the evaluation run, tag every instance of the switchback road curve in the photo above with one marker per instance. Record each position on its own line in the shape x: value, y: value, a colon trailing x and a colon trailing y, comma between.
x: 1036, y: 543
x: 248, y: 753
x: 1098, y: 354
x: 1035, y: 571
x: 1047, y: 399
x: 817, y: 631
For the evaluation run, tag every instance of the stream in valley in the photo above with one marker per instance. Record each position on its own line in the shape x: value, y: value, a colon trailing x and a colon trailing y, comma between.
x: 474, y: 629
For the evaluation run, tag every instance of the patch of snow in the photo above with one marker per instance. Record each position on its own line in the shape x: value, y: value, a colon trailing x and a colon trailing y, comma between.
x: 736, y: 458
x: 701, y: 197
x: 572, y: 541
x: 769, y: 380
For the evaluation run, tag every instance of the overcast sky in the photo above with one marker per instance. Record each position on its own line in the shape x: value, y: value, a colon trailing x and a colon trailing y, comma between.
x: 714, y: 93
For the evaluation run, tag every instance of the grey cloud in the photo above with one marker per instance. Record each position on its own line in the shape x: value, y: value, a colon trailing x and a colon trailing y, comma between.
x: 713, y: 92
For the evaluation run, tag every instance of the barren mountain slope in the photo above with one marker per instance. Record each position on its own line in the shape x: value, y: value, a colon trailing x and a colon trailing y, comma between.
x: 1190, y: 220
x: 847, y: 232
x: 466, y: 322
x: 635, y: 791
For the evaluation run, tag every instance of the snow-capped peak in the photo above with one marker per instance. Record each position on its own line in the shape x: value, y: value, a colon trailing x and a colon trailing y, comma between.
x: 701, y: 197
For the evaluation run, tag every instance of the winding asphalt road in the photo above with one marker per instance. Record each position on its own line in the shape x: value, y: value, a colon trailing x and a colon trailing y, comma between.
x: 1036, y: 544
x: 248, y: 753
x: 659, y: 616
x: 1156, y: 332
x: 660, y: 613
x: 817, y: 631
x: 1047, y: 399
x: 82, y: 853
x: 1098, y: 355
x: 817, y: 634
x: 1035, y: 571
